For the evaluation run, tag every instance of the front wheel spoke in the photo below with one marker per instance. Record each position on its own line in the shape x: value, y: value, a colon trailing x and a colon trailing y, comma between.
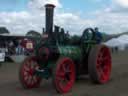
x: 26, y: 78
x: 33, y: 81
x: 25, y: 73
x: 29, y: 79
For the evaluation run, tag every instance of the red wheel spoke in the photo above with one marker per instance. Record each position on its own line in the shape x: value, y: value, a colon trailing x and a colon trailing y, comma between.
x: 32, y: 80
x: 25, y: 73
x: 63, y: 68
x: 29, y: 80
x: 61, y: 74
x: 26, y: 78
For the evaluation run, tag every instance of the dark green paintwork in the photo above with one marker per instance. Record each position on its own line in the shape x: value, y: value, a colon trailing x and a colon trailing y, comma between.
x: 73, y: 52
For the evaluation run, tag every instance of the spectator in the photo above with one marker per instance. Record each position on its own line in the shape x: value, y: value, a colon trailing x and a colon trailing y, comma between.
x: 11, y: 48
x: 19, y: 49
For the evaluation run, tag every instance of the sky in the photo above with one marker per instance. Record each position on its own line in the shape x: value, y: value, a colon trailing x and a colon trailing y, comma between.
x: 20, y: 16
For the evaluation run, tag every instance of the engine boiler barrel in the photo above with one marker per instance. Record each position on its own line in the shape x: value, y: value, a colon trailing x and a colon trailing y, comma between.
x: 71, y: 52
x: 49, y: 18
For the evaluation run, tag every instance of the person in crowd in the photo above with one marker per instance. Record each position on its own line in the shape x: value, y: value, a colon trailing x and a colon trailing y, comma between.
x: 11, y: 48
x: 19, y: 49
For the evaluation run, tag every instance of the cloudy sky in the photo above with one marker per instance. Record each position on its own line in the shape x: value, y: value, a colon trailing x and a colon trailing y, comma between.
x: 20, y: 16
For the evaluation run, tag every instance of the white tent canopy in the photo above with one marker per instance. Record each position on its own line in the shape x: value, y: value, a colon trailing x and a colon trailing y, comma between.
x: 120, y: 42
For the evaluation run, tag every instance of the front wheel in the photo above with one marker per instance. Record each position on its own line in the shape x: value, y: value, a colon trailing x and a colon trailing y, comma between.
x: 99, y: 64
x: 64, y: 75
x: 27, y: 73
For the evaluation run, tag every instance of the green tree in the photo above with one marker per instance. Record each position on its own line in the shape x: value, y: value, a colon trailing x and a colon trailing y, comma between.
x: 34, y: 34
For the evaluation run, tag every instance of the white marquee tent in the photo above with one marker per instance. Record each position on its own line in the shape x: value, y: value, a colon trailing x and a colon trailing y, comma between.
x: 120, y: 42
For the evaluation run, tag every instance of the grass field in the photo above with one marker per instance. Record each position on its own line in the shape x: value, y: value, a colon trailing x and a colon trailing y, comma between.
x: 118, y: 85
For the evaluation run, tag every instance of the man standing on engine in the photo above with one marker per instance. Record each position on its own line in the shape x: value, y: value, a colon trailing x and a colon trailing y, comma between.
x: 98, y: 34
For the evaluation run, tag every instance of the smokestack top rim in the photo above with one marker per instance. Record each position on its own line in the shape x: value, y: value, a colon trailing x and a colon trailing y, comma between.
x: 50, y: 5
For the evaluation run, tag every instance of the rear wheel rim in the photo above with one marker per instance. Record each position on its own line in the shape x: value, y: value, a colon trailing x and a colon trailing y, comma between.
x: 103, y: 64
x: 65, y: 75
x: 27, y: 73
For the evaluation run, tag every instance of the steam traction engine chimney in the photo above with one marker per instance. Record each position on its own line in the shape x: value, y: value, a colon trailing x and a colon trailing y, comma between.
x: 49, y: 18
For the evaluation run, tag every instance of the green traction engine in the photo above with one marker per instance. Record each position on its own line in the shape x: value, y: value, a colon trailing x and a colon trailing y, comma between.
x: 63, y: 58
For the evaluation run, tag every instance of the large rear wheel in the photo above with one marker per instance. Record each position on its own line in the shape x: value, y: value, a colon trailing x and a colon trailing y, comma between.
x: 27, y: 73
x: 99, y: 64
x: 64, y: 75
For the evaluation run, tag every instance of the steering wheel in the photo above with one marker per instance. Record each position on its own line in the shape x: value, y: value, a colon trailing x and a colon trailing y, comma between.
x: 88, y: 34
